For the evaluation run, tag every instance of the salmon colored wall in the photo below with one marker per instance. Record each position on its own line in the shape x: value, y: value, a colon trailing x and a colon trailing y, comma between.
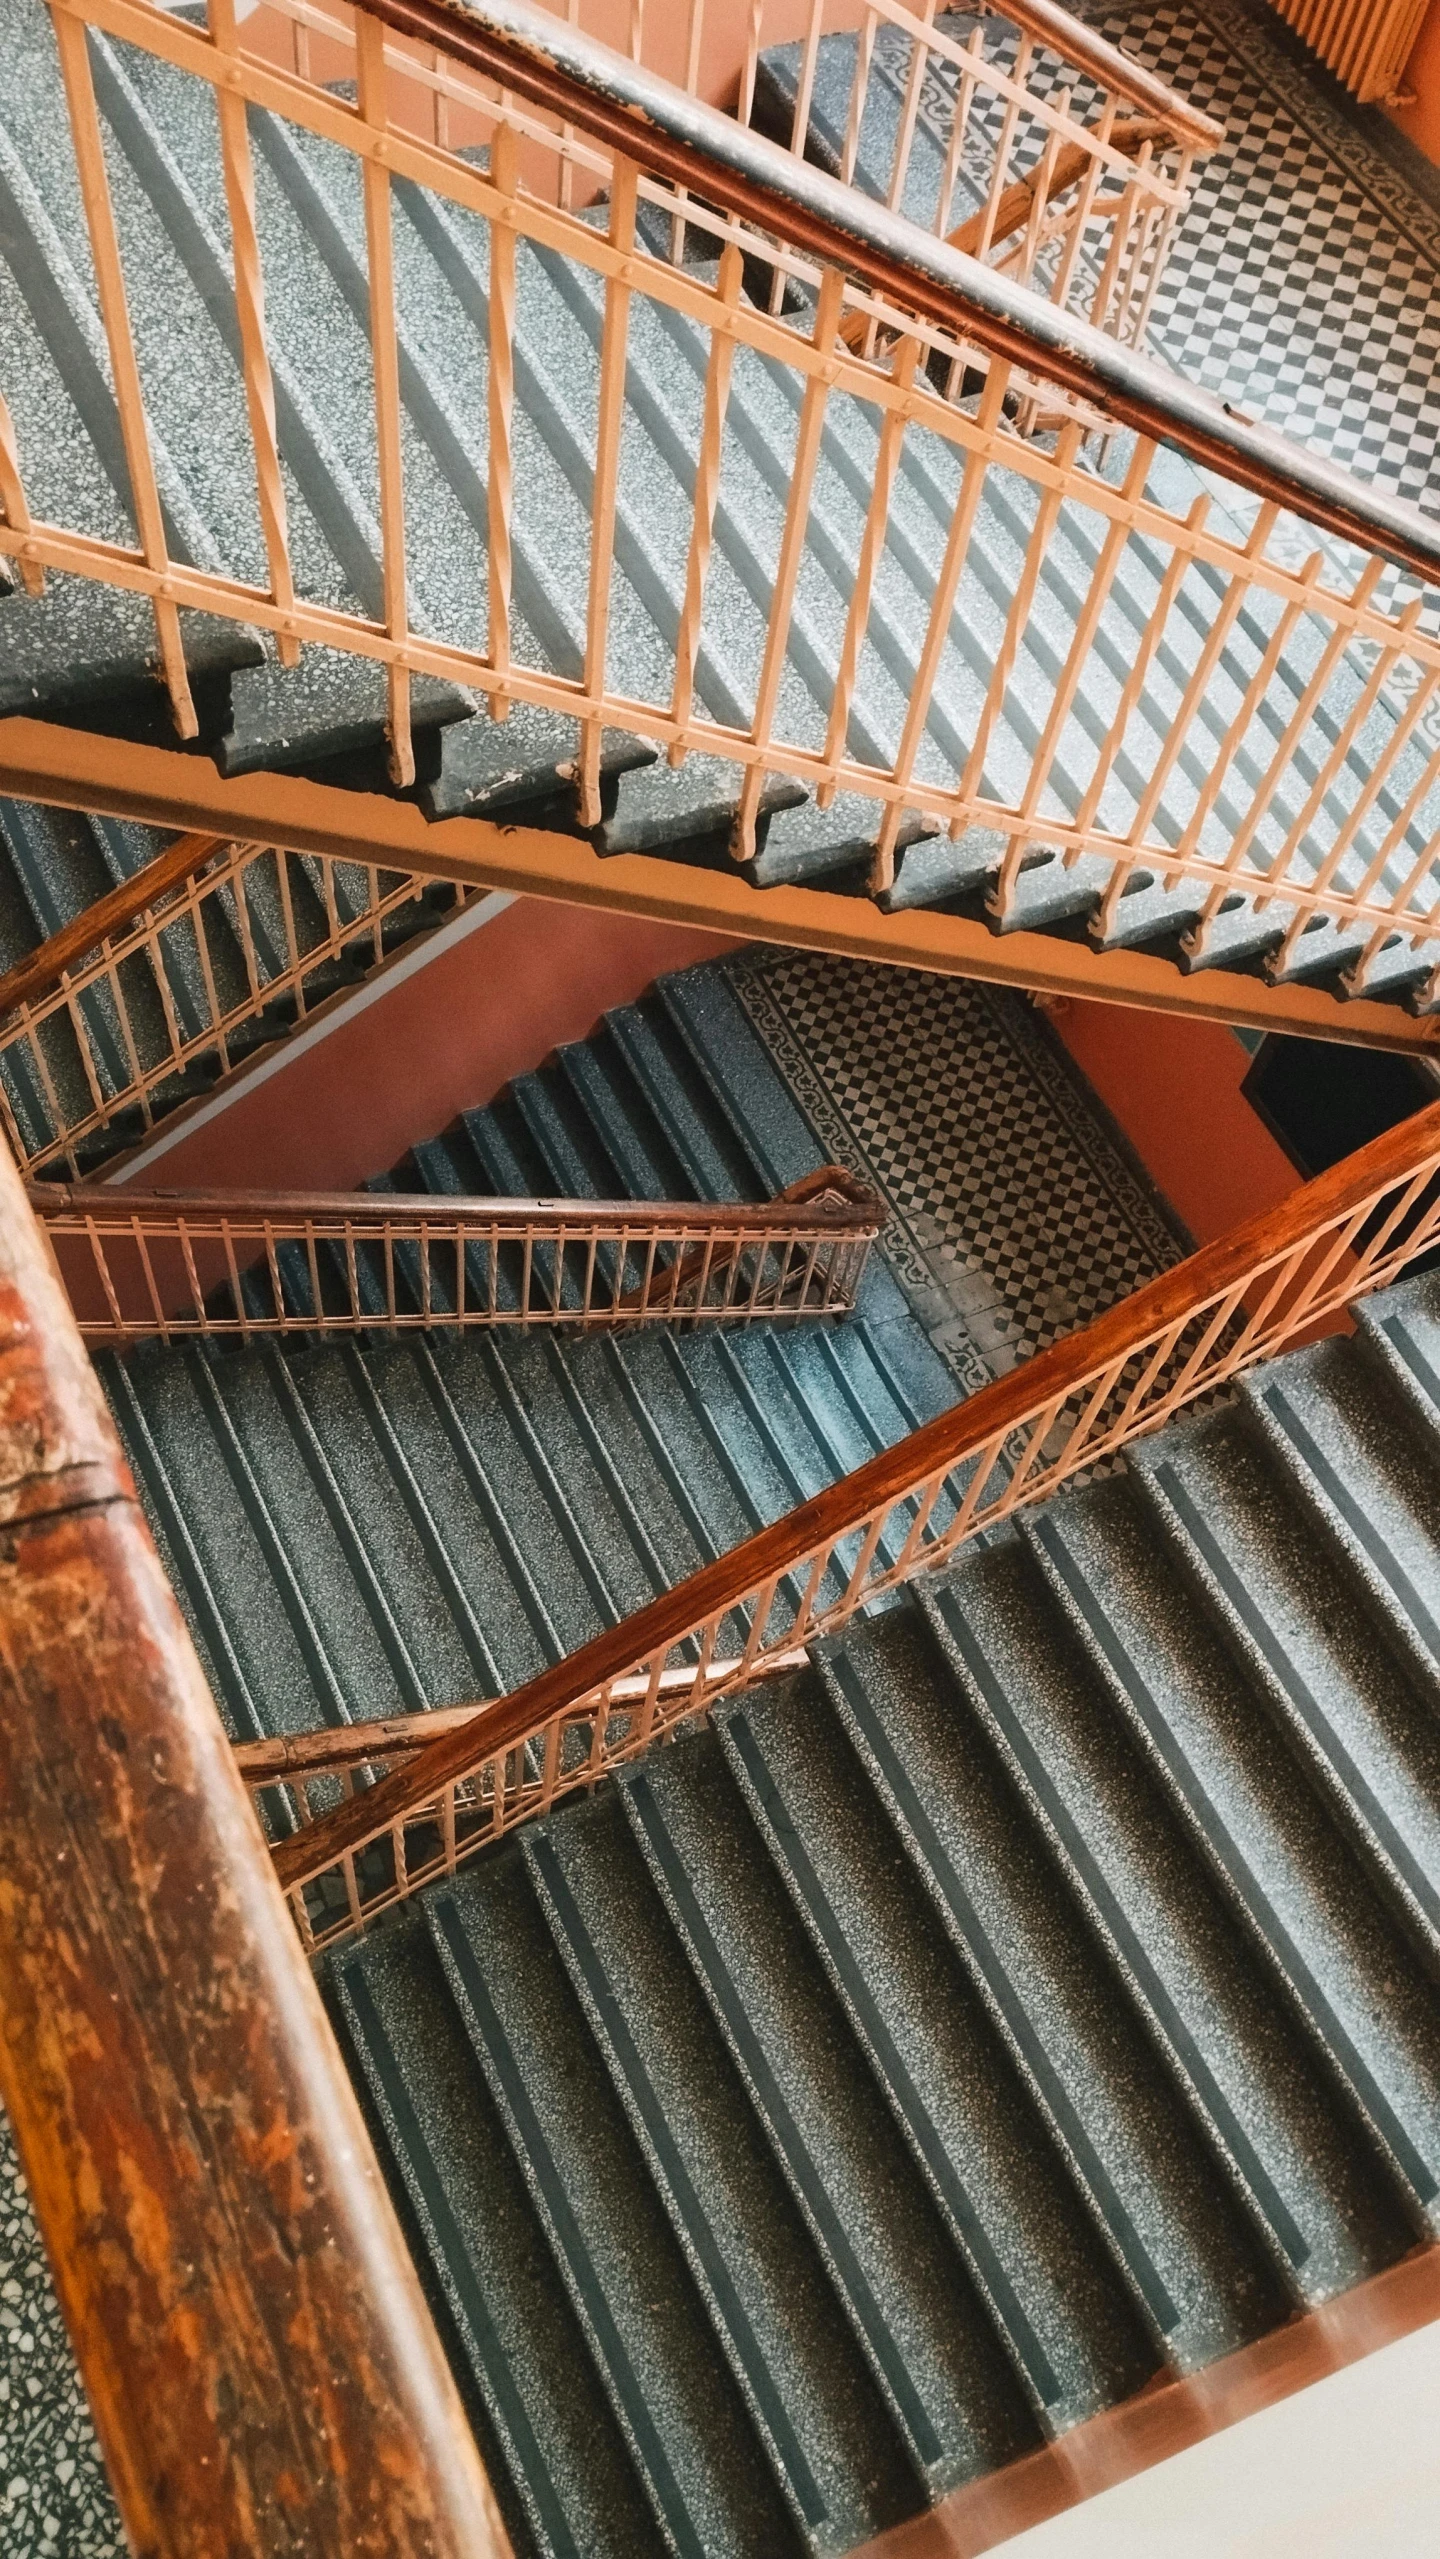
x: 1174, y: 1087
x: 446, y: 1038
x: 1421, y: 123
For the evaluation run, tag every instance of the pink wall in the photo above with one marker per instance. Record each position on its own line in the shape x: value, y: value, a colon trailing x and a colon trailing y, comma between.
x: 1174, y: 1086
x: 446, y: 1038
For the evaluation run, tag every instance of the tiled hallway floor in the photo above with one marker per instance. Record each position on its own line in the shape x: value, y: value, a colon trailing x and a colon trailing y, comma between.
x: 1015, y: 1213
x: 1305, y: 284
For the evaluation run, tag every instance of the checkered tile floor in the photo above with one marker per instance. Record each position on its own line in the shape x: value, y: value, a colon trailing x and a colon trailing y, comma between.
x: 1016, y: 1214
x: 1304, y: 285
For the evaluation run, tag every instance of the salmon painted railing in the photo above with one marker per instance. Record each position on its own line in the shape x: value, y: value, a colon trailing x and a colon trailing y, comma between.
x: 157, y: 992
x: 1280, y: 612
x: 407, y: 1819
x: 244, y: 1265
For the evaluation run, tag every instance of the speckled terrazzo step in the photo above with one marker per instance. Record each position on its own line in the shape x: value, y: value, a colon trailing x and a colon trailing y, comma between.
x: 964, y: 2032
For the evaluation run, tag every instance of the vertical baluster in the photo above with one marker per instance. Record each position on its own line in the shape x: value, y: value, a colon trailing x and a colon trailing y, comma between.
x: 567, y: 139
x: 1141, y: 659
x: 614, y: 343
x: 70, y: 38
x: 752, y: 56
x: 1002, y: 152
x: 1078, y: 220
x: 860, y: 90
x: 693, y: 51
x: 792, y: 548
x: 12, y: 501
x: 800, y: 120
x: 905, y: 135
x: 1047, y: 516
x: 1313, y: 893
x: 384, y: 354
x: 1300, y: 718
x: 718, y: 371
x: 1420, y: 869
x: 250, y: 313
x: 872, y: 545
x: 1088, y: 622
x: 942, y: 608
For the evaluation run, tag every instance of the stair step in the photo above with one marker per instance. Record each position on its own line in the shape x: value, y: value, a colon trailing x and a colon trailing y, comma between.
x: 828, y: 2438
x: 1287, y: 1871
x: 564, y: 2457
x: 1307, y: 1643
x: 906, y: 2291
x: 1317, y: 2200
x: 626, y: 2274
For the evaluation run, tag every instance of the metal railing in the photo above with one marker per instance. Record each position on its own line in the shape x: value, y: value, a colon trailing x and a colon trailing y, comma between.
x: 242, y: 1266
x: 1072, y: 161
x: 908, y: 1512
x: 1242, y: 699
x: 180, y: 975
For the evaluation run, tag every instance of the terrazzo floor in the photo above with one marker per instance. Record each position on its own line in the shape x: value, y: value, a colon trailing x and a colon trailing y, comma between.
x: 1305, y: 286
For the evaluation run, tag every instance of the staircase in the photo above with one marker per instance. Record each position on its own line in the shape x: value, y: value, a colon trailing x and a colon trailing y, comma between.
x: 1032, y: 1997
x: 1097, y: 687
x: 361, y: 1530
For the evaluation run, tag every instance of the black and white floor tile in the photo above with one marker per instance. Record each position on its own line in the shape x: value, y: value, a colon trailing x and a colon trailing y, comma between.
x: 1016, y: 1213
x: 1304, y: 283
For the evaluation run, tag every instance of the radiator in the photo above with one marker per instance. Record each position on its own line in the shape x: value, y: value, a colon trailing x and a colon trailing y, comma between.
x: 1366, y: 43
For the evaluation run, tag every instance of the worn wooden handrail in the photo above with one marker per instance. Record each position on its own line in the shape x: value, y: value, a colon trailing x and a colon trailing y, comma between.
x: 832, y: 1193
x: 1236, y: 1301
x: 42, y: 970
x: 262, y: 2370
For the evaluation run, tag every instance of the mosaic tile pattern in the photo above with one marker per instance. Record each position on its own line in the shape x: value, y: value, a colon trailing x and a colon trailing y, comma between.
x: 1304, y: 283
x: 1016, y: 1213
x: 55, y: 2500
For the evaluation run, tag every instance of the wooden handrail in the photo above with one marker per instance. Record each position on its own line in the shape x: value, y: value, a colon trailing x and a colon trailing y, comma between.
x: 1041, y: 1386
x: 832, y: 1197
x: 37, y: 976
x: 708, y: 156
x: 259, y: 2361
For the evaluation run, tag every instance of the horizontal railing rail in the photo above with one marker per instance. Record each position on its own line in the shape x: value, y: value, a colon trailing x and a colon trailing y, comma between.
x: 1245, y: 703
x: 254, y: 2347
x: 176, y: 977
x: 908, y: 1512
x: 244, y: 1265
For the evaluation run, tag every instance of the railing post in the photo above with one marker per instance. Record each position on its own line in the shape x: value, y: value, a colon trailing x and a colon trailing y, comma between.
x: 261, y: 2367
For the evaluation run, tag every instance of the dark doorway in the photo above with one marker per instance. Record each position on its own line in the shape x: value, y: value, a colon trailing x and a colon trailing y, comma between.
x: 1320, y: 1100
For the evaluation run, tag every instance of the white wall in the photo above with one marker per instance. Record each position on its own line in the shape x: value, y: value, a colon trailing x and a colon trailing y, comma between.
x: 1347, y: 2469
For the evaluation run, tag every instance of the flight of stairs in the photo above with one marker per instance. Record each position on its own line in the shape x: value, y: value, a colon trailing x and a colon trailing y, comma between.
x: 1034, y: 1996
x: 367, y: 1528
x: 326, y: 718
